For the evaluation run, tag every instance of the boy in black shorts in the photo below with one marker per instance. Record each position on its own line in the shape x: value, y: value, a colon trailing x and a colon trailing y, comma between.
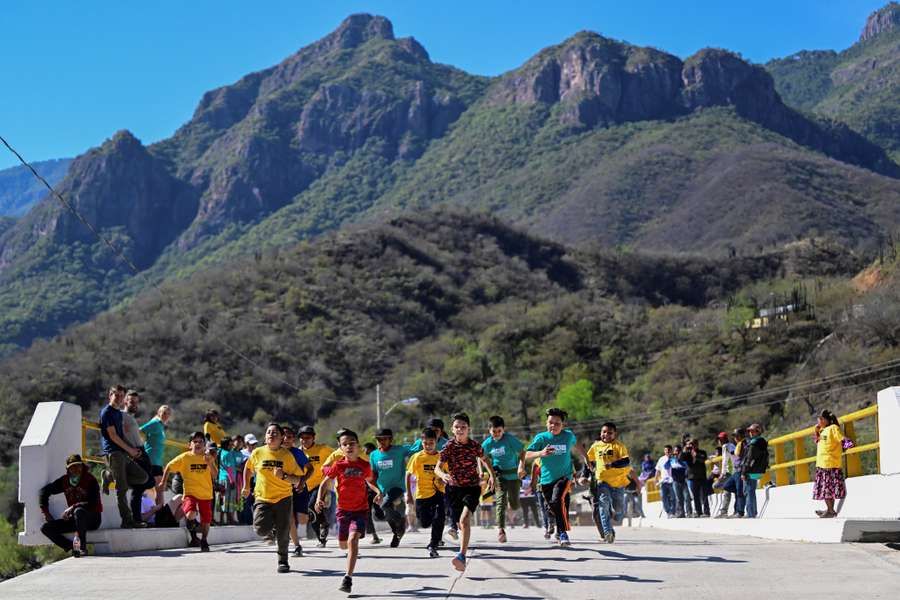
x: 458, y: 467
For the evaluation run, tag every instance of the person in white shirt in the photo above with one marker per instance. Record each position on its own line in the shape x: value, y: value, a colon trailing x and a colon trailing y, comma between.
x: 664, y: 481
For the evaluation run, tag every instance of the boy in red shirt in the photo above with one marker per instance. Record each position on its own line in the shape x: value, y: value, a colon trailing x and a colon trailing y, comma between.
x: 353, y: 476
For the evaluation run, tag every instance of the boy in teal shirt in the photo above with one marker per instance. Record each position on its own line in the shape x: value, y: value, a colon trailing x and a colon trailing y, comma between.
x: 507, y: 455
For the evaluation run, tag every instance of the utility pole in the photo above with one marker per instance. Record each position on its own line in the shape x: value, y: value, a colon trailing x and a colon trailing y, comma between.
x: 378, y: 407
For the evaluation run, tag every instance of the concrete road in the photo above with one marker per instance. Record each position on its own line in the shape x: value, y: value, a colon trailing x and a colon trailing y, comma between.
x: 643, y: 563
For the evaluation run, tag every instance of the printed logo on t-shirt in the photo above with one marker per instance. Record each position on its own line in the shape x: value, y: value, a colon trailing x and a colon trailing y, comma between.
x: 559, y: 448
x: 273, y: 464
x: 353, y: 472
x: 428, y: 467
x: 386, y: 464
x: 198, y: 466
x: 500, y: 451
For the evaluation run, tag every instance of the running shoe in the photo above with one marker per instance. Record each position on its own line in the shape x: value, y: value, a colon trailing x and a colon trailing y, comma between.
x: 459, y: 562
x: 346, y: 584
x: 453, y: 533
x: 283, y: 566
x: 609, y: 537
x: 564, y: 540
x: 546, y: 534
x: 395, y: 541
x: 194, y: 543
x: 376, y: 539
x: 322, y: 543
x: 432, y: 552
x: 501, y: 536
x: 204, y: 546
x: 298, y: 551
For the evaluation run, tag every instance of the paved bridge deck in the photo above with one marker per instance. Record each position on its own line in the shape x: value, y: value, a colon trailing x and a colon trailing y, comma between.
x: 643, y: 563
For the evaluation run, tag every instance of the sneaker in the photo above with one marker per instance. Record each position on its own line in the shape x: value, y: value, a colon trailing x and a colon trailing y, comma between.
x: 76, y: 553
x: 441, y: 544
x: 194, y: 543
x: 395, y: 541
x: 564, y: 540
x: 459, y: 562
x: 204, y: 546
x: 609, y: 537
x: 546, y: 534
x: 501, y: 536
x: 346, y: 584
x: 376, y: 539
x: 298, y: 551
x: 270, y: 540
x: 721, y: 515
x: 322, y: 543
x: 453, y: 533
x: 284, y: 567
x: 432, y: 552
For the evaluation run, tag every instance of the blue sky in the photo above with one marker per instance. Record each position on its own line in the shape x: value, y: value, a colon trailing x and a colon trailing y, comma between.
x: 76, y: 72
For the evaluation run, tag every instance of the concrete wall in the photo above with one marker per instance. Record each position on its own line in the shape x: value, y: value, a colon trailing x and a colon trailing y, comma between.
x: 53, y: 433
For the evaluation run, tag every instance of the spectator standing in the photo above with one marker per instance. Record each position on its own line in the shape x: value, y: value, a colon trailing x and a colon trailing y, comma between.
x: 133, y: 437
x: 829, y: 484
x: 724, y: 478
x: 665, y: 483
x: 740, y: 499
x: 697, y: 479
x: 528, y: 500
x: 276, y: 475
x: 507, y: 456
x: 227, y: 498
x: 212, y: 429
x: 121, y: 456
x: 154, y: 432
x: 83, y: 506
x: 678, y: 469
x: 754, y: 464
x: 246, y: 514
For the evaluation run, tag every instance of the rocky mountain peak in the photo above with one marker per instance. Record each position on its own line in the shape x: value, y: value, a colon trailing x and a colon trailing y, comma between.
x: 886, y: 18
x: 714, y: 77
x: 357, y: 29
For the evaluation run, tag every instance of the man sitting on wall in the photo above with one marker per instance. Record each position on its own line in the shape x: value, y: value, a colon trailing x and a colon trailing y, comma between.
x: 82, y: 494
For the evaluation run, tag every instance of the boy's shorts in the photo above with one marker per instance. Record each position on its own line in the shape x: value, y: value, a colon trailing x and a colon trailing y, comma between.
x: 463, y: 497
x: 301, y: 501
x: 351, y: 520
x: 204, y: 507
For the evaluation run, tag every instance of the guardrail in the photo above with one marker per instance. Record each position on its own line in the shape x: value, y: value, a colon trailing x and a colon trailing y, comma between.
x: 796, y: 468
x: 97, y: 458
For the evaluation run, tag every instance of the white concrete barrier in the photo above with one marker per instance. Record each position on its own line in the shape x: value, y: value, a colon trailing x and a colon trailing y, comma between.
x: 53, y: 433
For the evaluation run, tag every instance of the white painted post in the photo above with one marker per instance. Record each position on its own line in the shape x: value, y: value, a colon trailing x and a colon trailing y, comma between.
x: 888, y: 426
x: 53, y: 434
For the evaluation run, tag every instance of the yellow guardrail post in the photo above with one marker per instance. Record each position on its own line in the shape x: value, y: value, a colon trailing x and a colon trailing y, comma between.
x: 854, y: 464
x: 782, y: 477
x: 801, y: 471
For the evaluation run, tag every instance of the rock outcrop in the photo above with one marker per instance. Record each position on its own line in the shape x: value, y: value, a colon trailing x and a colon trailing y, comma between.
x: 884, y: 19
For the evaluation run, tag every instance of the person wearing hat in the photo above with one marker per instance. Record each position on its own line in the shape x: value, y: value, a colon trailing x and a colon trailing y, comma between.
x: 438, y: 426
x: 725, y: 473
x: 389, y: 473
x: 84, y: 509
x: 317, y: 455
x: 246, y: 515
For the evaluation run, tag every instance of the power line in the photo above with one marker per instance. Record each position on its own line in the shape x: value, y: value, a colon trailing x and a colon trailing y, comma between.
x: 171, y: 300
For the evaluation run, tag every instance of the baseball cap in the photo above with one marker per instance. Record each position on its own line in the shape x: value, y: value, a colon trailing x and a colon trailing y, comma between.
x: 250, y: 439
x: 73, y: 459
x: 722, y: 435
x: 307, y: 430
x: 384, y: 432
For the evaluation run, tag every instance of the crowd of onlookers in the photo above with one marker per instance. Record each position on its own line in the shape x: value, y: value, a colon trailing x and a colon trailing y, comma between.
x: 135, y: 464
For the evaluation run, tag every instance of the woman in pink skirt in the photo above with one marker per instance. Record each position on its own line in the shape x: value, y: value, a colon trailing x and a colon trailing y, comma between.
x: 829, y: 485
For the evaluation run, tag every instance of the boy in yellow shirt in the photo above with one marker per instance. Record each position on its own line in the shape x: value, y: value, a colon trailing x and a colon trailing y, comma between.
x: 611, y: 469
x: 429, y: 489
x: 277, y: 472
x: 197, y: 469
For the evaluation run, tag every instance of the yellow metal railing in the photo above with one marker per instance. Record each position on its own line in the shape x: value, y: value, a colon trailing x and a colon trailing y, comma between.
x: 87, y: 456
x: 798, y: 466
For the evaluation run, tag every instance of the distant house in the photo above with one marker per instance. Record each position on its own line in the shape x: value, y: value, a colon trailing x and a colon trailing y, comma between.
x: 764, y: 316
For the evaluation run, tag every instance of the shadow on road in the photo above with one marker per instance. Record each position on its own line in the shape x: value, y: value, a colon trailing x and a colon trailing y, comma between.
x: 563, y: 577
x: 434, y: 592
x: 667, y: 559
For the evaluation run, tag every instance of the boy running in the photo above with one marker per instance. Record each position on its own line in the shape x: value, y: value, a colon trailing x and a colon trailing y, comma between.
x: 612, y: 466
x: 429, y: 489
x: 300, y: 496
x: 276, y: 475
x: 507, y: 458
x: 352, y: 475
x: 197, y: 468
x: 555, y: 447
x: 317, y: 455
x: 389, y: 471
x: 462, y: 457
